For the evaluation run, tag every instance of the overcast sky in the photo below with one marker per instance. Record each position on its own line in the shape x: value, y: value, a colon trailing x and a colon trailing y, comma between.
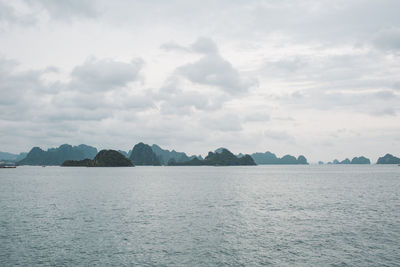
x: 313, y: 77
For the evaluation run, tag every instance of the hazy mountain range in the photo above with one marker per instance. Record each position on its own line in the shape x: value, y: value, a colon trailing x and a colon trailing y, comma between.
x: 12, y: 157
x: 56, y: 156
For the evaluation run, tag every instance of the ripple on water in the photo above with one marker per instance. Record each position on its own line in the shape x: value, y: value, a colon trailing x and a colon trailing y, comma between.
x: 253, y: 216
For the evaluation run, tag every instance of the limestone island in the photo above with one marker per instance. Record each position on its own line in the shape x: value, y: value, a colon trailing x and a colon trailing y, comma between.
x: 222, y: 158
x: 105, y: 158
x: 388, y: 159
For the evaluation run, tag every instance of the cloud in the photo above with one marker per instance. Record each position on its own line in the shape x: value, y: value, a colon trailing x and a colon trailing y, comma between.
x: 376, y: 103
x: 9, y: 15
x: 257, y: 117
x: 288, y: 65
x: 176, y: 100
x: 396, y: 85
x: 387, y: 39
x: 223, y: 123
x: 278, y: 135
x: 191, y: 87
x: 205, y: 46
x: 213, y: 70
x: 104, y: 74
x: 202, y: 45
x: 184, y: 103
x: 352, y: 80
x: 19, y: 87
x: 172, y: 46
x: 67, y: 9
x: 30, y: 12
x: 97, y: 90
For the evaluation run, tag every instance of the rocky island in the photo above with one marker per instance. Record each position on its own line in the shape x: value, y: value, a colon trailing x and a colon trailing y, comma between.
x: 105, y: 158
x: 388, y: 159
x: 271, y: 158
x: 222, y: 158
x: 355, y: 160
x: 143, y: 155
x: 165, y: 155
x: 360, y: 160
x: 56, y: 156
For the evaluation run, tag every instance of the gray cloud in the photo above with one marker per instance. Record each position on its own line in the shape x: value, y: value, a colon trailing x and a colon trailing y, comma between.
x: 388, y: 39
x: 215, y: 71
x: 257, y: 117
x: 97, y: 90
x: 184, y: 103
x: 278, y: 135
x: 205, y: 46
x: 212, y: 69
x: 10, y: 16
x: 202, y: 45
x: 172, y: 46
x: 175, y: 100
x: 396, y: 85
x: 67, y: 9
x: 223, y: 123
x: 18, y: 90
x: 105, y: 74
x: 376, y: 103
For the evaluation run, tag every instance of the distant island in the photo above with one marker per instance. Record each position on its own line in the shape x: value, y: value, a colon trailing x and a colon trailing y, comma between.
x: 388, y: 159
x: 222, y: 158
x: 12, y: 158
x: 153, y: 155
x: 143, y: 155
x: 56, y: 156
x: 166, y: 156
x: 270, y: 158
x: 355, y: 160
x: 360, y: 160
x: 105, y: 158
x: 146, y: 155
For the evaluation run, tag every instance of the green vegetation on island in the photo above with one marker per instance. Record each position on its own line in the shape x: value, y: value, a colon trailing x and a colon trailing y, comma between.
x: 105, y: 158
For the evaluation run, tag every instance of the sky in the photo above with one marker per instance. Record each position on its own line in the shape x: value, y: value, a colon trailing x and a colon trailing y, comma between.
x: 319, y: 78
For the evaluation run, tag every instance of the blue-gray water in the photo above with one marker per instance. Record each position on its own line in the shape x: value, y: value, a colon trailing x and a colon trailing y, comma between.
x: 200, y: 216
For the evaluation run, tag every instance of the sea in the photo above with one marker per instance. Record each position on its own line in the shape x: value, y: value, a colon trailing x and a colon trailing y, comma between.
x: 329, y: 215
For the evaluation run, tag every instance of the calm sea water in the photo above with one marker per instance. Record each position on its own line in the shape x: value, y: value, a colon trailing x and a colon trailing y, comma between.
x: 200, y: 216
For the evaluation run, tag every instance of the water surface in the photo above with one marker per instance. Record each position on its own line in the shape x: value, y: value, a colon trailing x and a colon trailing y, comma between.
x: 200, y: 216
